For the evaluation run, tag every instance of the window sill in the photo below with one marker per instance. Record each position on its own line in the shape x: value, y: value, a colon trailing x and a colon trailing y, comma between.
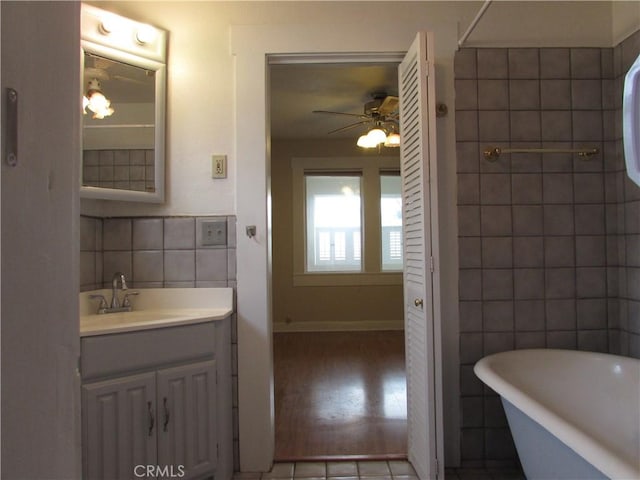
x: 334, y: 279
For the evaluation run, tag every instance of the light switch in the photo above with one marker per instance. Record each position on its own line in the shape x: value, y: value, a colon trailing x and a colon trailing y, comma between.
x: 214, y: 233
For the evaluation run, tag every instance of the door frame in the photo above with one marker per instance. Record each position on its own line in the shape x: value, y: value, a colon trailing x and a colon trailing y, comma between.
x: 252, y: 46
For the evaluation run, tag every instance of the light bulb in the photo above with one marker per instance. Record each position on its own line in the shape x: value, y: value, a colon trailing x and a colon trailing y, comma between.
x: 393, y: 140
x: 108, y: 24
x: 145, y: 34
x: 96, y: 101
x: 362, y: 141
x: 365, y: 142
x: 376, y: 136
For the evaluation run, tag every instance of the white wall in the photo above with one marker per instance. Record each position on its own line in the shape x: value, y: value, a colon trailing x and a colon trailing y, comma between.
x: 625, y: 20
x: 40, y: 244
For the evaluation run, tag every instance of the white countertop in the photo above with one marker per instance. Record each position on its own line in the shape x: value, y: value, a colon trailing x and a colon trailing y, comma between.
x: 156, y: 308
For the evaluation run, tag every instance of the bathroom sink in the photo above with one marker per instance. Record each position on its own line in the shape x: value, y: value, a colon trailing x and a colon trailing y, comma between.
x: 157, y: 308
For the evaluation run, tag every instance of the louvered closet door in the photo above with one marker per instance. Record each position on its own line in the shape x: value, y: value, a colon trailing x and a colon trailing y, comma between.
x: 417, y: 156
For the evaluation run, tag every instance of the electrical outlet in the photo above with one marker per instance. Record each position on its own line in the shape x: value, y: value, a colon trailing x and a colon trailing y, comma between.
x: 219, y: 166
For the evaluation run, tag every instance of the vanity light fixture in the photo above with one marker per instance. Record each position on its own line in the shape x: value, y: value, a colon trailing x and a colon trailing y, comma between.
x: 95, y: 101
x: 107, y: 31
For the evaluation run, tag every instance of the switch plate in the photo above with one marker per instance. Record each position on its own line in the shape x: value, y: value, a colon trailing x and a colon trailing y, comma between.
x: 214, y: 233
x: 218, y: 166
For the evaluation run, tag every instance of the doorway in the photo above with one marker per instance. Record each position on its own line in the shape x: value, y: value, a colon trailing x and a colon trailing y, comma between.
x: 252, y: 46
x: 338, y: 344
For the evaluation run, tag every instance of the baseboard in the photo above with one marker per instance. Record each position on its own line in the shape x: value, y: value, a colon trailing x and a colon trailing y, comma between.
x: 350, y: 326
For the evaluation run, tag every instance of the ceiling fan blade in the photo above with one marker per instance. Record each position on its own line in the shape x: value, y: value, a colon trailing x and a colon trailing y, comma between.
x: 388, y: 105
x: 130, y: 80
x: 359, y: 115
x: 98, y: 73
x: 349, y: 127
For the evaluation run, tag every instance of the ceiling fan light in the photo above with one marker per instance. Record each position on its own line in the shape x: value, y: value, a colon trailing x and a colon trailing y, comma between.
x: 365, y: 142
x: 393, y: 140
x: 376, y: 136
x: 96, y: 101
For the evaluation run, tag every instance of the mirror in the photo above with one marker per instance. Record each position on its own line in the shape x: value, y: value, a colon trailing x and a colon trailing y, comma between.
x: 124, y: 77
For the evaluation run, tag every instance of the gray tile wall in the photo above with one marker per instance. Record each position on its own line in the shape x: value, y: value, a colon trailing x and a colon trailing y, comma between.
x: 539, y: 234
x: 121, y: 169
x: 160, y: 252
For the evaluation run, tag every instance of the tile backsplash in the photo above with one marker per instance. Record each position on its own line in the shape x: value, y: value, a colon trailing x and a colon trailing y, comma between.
x: 548, y: 243
x: 155, y: 252
x: 131, y: 169
x: 161, y: 252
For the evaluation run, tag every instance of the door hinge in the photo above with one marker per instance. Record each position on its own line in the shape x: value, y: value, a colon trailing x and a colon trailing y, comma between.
x: 437, y: 462
x: 431, y: 267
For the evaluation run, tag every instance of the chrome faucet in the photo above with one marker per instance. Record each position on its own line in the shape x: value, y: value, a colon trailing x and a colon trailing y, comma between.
x: 117, y: 277
x: 117, y: 280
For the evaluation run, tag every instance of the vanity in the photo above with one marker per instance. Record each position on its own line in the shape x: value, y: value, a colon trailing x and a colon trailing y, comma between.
x: 155, y: 364
x: 156, y: 385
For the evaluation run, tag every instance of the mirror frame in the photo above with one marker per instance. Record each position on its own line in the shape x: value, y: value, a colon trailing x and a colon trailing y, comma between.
x: 122, y: 48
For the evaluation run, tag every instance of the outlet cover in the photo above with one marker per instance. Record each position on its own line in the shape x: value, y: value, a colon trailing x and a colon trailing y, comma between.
x: 218, y: 166
x: 214, y: 233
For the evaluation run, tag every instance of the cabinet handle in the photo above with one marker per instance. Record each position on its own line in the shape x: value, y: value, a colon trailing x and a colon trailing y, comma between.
x: 166, y: 414
x: 152, y: 420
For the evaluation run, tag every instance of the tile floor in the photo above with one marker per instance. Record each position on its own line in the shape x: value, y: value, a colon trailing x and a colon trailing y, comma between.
x: 370, y: 470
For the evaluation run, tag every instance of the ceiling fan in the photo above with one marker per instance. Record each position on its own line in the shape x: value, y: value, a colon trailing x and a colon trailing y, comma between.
x: 105, y: 70
x: 382, y: 110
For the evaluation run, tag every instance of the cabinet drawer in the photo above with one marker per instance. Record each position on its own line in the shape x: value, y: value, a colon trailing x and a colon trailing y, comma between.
x: 105, y: 355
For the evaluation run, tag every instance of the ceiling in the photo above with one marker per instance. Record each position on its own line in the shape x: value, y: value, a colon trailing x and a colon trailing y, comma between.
x: 298, y: 89
x: 121, y: 83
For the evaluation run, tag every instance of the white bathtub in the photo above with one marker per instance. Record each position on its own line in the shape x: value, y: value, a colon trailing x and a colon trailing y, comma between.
x: 573, y: 415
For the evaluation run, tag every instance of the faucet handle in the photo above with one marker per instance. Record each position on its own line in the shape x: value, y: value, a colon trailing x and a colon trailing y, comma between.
x: 125, y: 301
x: 103, y: 301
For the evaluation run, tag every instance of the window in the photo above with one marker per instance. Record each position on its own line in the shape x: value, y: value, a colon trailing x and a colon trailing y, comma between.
x: 391, y: 221
x: 334, y: 223
x: 346, y: 222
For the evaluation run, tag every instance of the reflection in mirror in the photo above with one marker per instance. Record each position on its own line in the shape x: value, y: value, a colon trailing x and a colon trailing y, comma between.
x: 118, y: 148
x: 123, y: 104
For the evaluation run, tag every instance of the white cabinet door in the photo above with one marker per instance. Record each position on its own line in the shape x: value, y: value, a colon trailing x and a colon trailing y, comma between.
x: 187, y: 438
x: 119, y: 426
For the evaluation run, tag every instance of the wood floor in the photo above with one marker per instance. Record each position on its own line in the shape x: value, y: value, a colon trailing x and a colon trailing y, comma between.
x: 340, y: 395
